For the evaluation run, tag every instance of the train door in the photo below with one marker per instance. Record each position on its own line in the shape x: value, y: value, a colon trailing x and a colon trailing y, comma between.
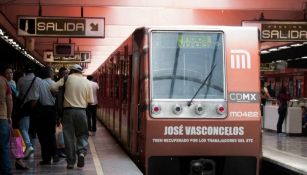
x: 104, y: 93
x: 126, y: 99
x: 135, y: 95
x: 134, y: 101
x: 112, y: 102
x: 298, y: 84
x: 117, y: 93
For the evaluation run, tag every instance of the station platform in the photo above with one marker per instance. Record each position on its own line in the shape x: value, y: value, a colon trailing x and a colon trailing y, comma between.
x: 104, y: 157
x: 289, y: 152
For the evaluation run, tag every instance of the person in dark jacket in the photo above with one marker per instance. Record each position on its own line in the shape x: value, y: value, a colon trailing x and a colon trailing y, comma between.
x: 283, y: 98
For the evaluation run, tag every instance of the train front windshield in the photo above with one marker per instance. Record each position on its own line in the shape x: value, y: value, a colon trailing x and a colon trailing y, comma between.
x: 186, y: 64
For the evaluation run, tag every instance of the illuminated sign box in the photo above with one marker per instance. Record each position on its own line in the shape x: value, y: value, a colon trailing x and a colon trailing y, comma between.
x: 284, y: 31
x: 80, y: 57
x: 62, y: 50
x: 61, y: 26
x: 280, y: 31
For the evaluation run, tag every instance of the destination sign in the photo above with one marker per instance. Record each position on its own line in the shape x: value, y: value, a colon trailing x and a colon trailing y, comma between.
x: 194, y: 41
x: 284, y: 31
x: 61, y: 26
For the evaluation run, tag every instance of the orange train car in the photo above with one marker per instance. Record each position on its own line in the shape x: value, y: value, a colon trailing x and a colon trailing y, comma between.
x: 184, y: 100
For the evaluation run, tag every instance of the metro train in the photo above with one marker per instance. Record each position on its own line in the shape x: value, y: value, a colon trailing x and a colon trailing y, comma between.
x: 184, y: 100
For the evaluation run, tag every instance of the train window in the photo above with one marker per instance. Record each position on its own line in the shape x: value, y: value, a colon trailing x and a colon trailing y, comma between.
x: 181, y: 61
x: 117, y: 74
x: 125, y: 82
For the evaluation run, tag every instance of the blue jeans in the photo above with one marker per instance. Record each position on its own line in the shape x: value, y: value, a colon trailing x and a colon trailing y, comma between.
x: 24, y: 124
x: 5, y: 161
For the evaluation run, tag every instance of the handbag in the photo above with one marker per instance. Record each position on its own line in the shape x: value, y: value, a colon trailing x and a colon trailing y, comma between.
x: 59, y: 137
x: 16, y: 142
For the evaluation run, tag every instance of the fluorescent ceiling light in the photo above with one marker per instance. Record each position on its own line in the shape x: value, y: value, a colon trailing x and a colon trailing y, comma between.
x: 273, y: 49
x: 264, y: 52
x: 296, y: 45
x: 283, y: 47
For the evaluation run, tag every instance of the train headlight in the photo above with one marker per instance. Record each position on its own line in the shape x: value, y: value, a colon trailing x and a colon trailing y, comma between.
x: 199, y: 109
x: 220, y: 109
x: 177, y: 109
x: 155, y: 109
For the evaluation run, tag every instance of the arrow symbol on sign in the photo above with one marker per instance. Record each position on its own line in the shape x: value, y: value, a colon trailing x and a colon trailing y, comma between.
x: 94, y: 27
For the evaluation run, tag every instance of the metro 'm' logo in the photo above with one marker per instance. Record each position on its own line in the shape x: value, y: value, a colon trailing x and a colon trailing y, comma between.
x: 240, y: 59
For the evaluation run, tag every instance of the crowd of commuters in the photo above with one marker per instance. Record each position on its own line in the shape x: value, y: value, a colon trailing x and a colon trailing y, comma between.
x: 34, y: 101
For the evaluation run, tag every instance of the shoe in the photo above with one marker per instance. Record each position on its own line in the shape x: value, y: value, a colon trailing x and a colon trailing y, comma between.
x: 44, y: 162
x: 28, y: 152
x: 70, y: 166
x: 80, y: 163
x: 55, y: 159
x: 281, y: 134
x: 20, y: 165
x: 63, y: 155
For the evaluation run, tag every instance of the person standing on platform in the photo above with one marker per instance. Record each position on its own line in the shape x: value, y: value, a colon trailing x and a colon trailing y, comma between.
x: 283, y: 98
x: 60, y: 151
x: 78, y: 94
x: 46, y: 117
x: 6, y: 106
x: 264, y: 96
x: 92, y: 108
x: 9, y: 74
x: 62, y: 73
x: 28, y: 87
x: 304, y: 120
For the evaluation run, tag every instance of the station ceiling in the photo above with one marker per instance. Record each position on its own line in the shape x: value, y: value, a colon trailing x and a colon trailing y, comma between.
x: 122, y: 17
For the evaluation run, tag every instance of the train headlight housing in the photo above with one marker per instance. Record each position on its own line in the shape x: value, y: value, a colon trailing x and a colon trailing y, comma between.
x: 220, y: 109
x: 177, y: 109
x: 199, y: 109
x: 155, y: 109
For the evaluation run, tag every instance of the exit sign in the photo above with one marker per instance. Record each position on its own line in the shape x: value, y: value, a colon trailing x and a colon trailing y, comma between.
x: 61, y: 26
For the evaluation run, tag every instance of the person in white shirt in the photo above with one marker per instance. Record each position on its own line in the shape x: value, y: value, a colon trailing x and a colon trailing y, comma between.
x: 91, y: 110
x: 78, y: 94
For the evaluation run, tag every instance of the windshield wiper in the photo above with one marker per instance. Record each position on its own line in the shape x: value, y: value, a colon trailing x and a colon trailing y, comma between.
x: 207, y: 77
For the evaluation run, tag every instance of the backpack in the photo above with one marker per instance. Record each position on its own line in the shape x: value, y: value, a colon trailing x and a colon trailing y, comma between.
x: 59, y: 100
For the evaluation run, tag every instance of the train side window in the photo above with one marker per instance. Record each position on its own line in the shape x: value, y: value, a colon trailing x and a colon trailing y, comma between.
x: 125, y: 83
x: 111, y: 82
x: 117, y: 74
x: 103, y: 85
